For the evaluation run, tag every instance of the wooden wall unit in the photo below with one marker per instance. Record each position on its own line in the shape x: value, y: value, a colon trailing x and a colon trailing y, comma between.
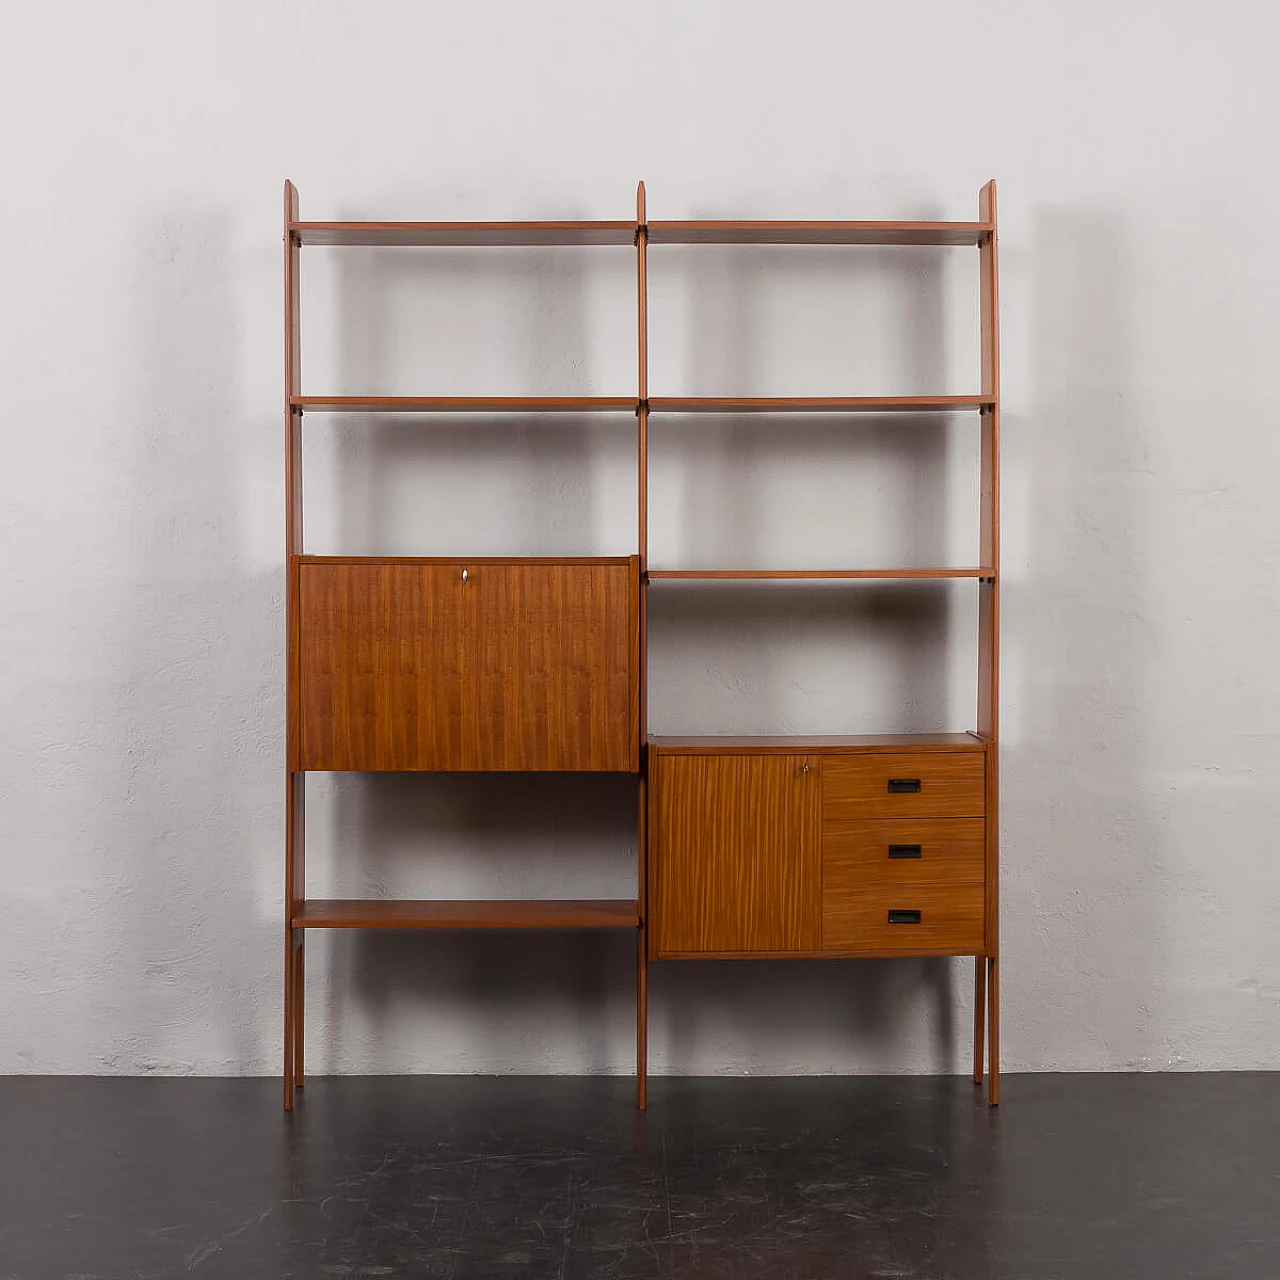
x: 779, y: 846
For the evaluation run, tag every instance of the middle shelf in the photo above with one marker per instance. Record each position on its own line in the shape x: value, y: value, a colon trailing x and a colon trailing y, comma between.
x: 631, y: 404
x: 771, y: 574
x: 745, y: 575
x: 819, y: 404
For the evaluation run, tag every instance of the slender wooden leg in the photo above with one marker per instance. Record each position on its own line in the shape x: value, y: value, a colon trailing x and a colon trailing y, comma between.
x: 299, y: 1002
x: 642, y: 1019
x: 979, y: 1015
x: 290, y: 1024
x: 993, y: 1031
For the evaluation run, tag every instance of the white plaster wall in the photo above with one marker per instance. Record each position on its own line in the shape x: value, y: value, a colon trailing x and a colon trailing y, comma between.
x: 143, y: 150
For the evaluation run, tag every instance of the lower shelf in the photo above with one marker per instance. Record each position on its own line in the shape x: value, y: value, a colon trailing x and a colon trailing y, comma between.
x: 518, y: 913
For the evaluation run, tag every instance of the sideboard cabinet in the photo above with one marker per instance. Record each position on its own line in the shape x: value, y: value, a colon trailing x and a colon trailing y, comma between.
x: 820, y: 849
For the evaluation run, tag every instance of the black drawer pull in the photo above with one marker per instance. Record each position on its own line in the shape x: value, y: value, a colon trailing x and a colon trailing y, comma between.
x: 903, y: 786
x: 905, y: 851
x: 904, y: 917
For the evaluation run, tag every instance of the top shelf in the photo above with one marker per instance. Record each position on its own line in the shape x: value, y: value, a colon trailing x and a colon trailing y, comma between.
x: 462, y: 233
x: 881, y: 233
x: 495, y: 234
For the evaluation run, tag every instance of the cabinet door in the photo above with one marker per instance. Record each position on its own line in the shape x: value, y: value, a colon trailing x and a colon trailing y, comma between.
x: 384, y: 661
x: 468, y: 665
x: 735, y: 857
x: 556, y: 646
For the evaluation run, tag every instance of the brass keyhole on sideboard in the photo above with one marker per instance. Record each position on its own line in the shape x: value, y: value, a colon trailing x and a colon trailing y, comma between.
x: 804, y: 769
x: 464, y: 575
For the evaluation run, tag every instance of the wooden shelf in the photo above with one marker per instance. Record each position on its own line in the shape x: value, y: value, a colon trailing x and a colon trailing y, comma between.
x: 818, y: 404
x: 496, y: 234
x: 465, y: 404
x: 521, y: 913
x: 516, y: 234
x: 881, y: 233
x: 815, y: 574
x: 772, y: 744
x: 465, y: 560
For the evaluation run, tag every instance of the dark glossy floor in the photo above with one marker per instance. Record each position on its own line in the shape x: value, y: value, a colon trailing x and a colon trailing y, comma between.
x: 1075, y: 1176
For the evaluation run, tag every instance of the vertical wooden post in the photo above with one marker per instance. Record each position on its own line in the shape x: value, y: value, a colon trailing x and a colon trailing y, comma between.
x: 979, y: 1015
x: 642, y: 503
x: 295, y: 792
x: 989, y: 615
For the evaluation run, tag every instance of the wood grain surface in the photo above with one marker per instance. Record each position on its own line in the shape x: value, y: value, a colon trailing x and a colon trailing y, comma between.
x: 951, y: 785
x: 950, y: 918
x: 874, y: 851
x: 468, y: 665
x: 734, y: 853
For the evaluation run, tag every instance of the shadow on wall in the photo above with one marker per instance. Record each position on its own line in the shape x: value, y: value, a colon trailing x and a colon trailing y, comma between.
x: 507, y: 485
x: 455, y: 486
x: 488, y: 1001
x: 197, y: 727
x: 825, y: 1015
x: 1081, y: 852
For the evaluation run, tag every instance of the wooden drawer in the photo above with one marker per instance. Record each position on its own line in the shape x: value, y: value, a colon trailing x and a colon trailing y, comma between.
x: 912, y: 919
x: 917, y: 784
x: 903, y: 852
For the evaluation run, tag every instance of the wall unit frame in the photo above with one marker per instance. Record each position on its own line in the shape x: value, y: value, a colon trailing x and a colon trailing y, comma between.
x: 859, y: 847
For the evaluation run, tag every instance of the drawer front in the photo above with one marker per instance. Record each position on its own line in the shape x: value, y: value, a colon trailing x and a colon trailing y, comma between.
x: 910, y: 919
x: 919, y: 784
x: 859, y: 853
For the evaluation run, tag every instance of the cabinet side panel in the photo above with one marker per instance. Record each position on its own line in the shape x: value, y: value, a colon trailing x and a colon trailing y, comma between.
x: 736, y: 854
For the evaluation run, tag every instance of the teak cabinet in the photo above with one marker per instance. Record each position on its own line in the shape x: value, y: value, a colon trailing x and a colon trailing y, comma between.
x: 857, y: 847
x: 469, y: 664
x: 818, y: 852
